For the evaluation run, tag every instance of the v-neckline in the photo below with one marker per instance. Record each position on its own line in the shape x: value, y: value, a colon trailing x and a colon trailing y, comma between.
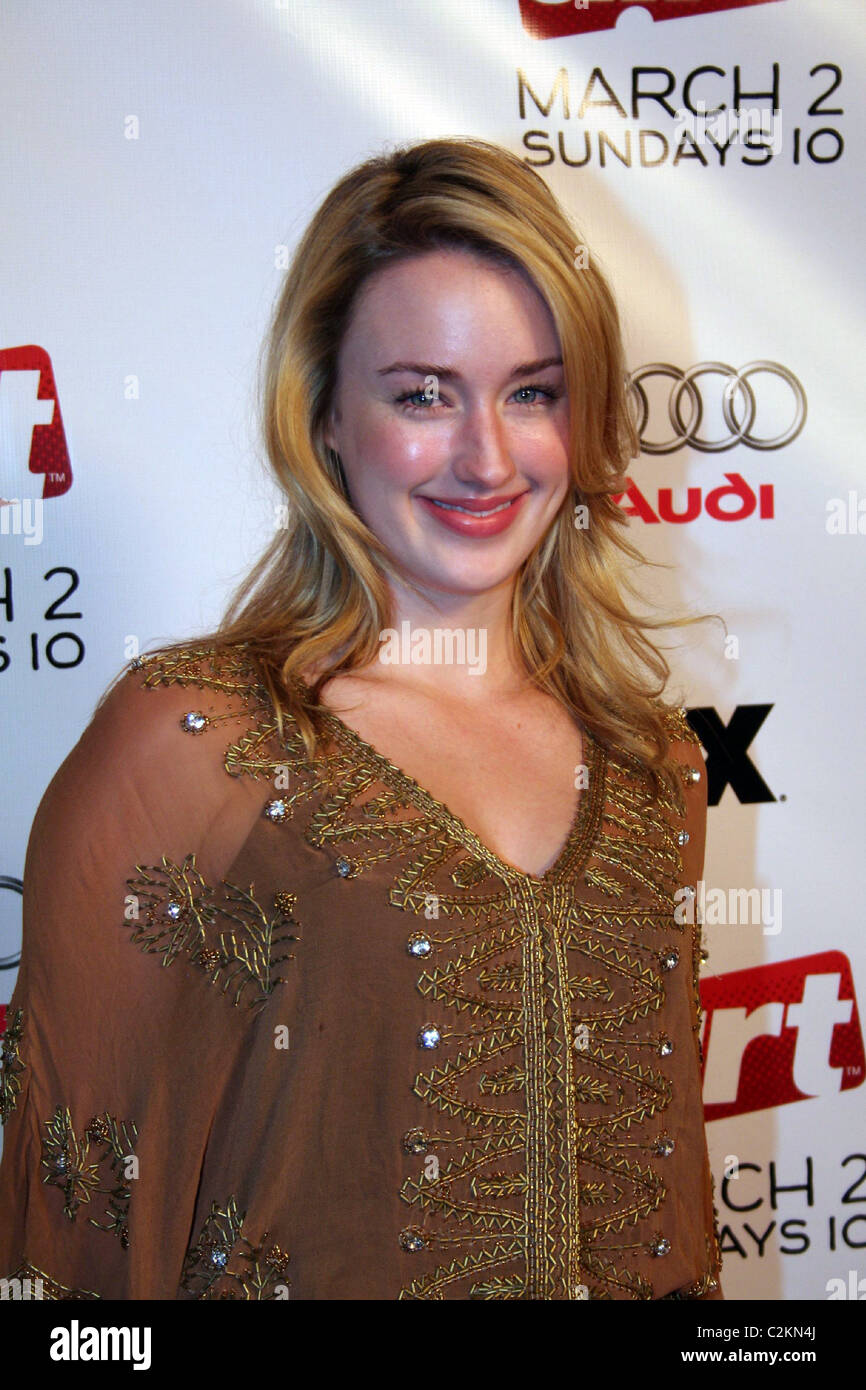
x: 577, y: 841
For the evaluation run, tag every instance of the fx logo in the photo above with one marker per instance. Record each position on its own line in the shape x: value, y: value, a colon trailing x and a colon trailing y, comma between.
x: 31, y: 426
x: 728, y: 762
x: 779, y: 1033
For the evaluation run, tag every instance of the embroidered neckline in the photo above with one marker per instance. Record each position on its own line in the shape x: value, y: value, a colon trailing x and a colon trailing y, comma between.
x: 578, y: 841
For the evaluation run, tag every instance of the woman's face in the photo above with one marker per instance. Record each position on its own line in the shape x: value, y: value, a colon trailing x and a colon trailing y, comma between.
x: 490, y: 430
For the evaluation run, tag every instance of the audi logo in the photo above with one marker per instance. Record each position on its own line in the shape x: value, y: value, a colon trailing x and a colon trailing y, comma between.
x: 737, y: 397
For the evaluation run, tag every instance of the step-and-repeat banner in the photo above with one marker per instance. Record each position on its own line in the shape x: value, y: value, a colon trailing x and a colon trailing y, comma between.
x: 158, y: 163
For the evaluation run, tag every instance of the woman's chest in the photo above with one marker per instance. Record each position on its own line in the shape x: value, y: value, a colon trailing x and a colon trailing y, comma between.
x: 512, y: 776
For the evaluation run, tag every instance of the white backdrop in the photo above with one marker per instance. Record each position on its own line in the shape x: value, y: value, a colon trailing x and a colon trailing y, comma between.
x: 158, y: 161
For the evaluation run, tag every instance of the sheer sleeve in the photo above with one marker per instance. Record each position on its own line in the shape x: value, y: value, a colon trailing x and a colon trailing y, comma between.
x: 685, y: 750
x: 117, y: 1042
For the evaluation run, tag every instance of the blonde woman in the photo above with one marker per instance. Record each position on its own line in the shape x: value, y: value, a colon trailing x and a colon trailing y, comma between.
x: 358, y: 954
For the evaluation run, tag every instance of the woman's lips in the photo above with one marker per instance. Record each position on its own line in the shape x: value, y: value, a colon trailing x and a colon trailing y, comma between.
x: 467, y: 523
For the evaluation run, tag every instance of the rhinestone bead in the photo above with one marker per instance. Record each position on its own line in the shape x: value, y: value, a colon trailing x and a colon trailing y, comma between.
x: 660, y: 1245
x: 343, y: 867
x: 419, y: 944
x: 136, y: 663
x: 412, y: 1239
x: 429, y: 1036
x: 415, y: 1141
x: 693, y: 774
x: 60, y: 1163
x: 664, y: 1145
x: 689, y: 890
x: 276, y: 810
x: 219, y: 1258
x: 683, y: 837
x: 666, y: 1047
x: 670, y: 959
x: 173, y: 911
x: 194, y: 722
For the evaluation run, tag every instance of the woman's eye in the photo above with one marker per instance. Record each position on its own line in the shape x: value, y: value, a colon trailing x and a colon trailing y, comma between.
x: 543, y: 391
x: 423, y: 400
x: 416, y: 400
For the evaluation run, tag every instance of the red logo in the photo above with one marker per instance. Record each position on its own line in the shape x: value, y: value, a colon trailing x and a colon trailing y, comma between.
x: 780, y: 1033
x: 30, y: 422
x: 546, y: 21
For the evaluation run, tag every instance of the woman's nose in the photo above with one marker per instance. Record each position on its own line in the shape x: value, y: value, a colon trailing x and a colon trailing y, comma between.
x: 481, y: 449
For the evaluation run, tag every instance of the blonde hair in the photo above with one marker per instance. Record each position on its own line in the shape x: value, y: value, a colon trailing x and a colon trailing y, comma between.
x: 318, y: 596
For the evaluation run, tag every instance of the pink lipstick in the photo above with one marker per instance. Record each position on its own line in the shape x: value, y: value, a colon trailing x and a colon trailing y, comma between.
x: 474, y: 516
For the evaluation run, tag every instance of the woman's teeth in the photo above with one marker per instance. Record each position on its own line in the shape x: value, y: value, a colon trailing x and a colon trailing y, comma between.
x: 453, y: 507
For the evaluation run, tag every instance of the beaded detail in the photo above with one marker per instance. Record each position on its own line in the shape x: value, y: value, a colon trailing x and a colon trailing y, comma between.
x: 27, y: 1282
x: 194, y: 722
x: 222, y: 931
x: 11, y: 1065
x: 71, y: 1166
x: 223, y: 1264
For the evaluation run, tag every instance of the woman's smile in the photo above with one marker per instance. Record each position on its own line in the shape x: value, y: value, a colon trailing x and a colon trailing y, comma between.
x: 473, y: 517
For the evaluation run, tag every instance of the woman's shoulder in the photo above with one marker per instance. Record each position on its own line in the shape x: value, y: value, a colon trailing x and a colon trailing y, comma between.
x: 154, y: 751
x: 226, y: 673
x: 684, y: 752
x: 683, y: 747
x: 193, y: 686
x: 677, y: 726
x: 156, y: 707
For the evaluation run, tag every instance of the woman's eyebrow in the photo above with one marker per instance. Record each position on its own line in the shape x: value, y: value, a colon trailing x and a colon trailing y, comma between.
x: 448, y: 374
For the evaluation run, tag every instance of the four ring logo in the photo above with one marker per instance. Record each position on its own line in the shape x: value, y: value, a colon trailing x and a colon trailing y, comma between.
x: 10, y: 933
x: 554, y: 19
x: 736, y: 400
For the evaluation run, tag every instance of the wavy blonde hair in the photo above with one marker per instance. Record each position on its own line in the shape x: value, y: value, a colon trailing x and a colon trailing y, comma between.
x: 318, y: 597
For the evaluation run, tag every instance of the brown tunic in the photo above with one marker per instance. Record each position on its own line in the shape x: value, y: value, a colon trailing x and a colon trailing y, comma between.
x: 295, y: 1031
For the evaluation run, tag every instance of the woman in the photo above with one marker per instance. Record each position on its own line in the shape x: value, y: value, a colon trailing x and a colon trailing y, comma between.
x: 405, y: 1005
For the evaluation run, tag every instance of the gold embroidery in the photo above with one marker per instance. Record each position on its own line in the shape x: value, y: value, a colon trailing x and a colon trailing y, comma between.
x: 714, y: 1241
x: 678, y: 728
x: 11, y: 1065
x: 635, y: 849
x: 707, y: 1283
x: 549, y: 1084
x: 69, y: 1166
x: 29, y: 1283
x: 207, y: 1264
x: 182, y: 918
x: 229, y: 671
x: 697, y: 960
